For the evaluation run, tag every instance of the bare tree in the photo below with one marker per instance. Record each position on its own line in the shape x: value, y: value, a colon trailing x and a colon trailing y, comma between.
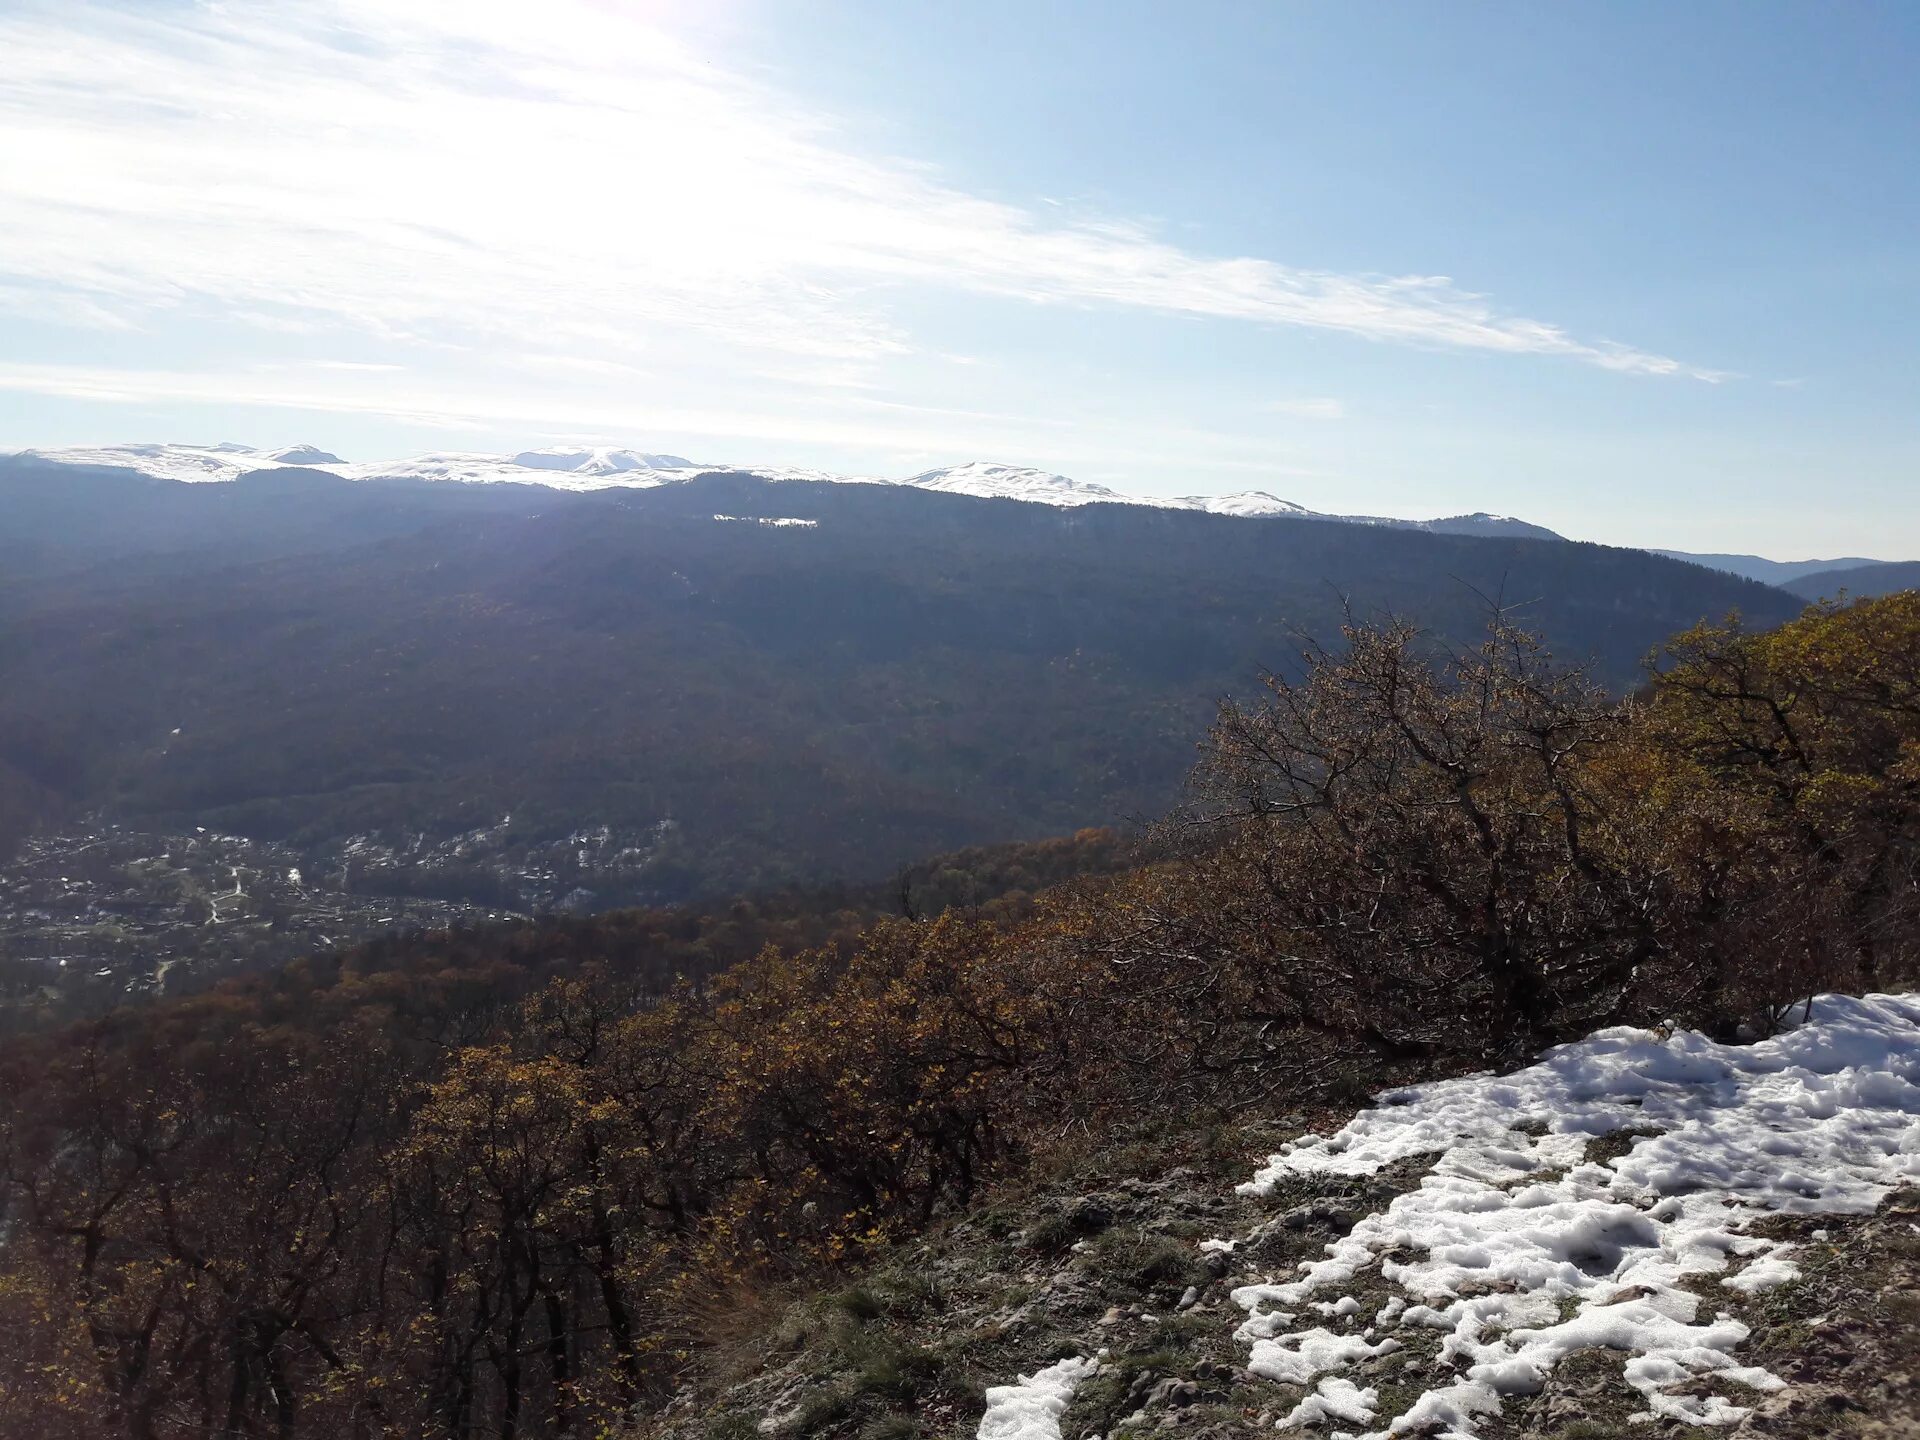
x: 1432, y: 852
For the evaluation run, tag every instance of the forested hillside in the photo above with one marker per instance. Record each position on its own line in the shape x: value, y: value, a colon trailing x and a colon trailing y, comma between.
x: 296, y: 657
x: 1879, y: 578
x: 466, y: 1186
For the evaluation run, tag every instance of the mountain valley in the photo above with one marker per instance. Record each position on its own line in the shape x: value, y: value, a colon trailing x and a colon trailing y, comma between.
x: 872, y: 674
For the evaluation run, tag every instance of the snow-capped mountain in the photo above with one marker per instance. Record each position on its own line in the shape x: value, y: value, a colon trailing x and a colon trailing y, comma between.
x: 557, y: 467
x: 583, y: 468
x: 597, y: 461
x: 186, y: 463
x: 589, y: 470
x: 1015, y: 482
x: 301, y: 455
x: 1246, y: 502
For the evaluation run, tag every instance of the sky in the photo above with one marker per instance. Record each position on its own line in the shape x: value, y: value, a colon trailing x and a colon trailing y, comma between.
x: 1647, y: 274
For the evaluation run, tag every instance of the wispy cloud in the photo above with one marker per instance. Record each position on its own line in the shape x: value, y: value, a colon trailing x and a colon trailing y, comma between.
x: 1308, y: 407
x: 554, y: 179
x: 58, y: 307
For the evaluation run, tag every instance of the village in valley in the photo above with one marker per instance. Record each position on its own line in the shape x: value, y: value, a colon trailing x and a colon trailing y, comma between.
x: 102, y: 913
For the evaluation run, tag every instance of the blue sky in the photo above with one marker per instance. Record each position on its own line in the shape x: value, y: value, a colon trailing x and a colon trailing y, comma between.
x: 1649, y: 274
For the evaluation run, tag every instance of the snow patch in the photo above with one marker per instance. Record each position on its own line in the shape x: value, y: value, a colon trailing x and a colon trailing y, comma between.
x: 1767, y: 1273
x: 1295, y: 1357
x: 1030, y: 1409
x: 1520, y: 1270
x: 782, y: 520
x: 1335, y: 1399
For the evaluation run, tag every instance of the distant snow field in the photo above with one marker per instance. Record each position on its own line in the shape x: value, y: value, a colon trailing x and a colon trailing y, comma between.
x: 584, y: 468
x: 1521, y: 1252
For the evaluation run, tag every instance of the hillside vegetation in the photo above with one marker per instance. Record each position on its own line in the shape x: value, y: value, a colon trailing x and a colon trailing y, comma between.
x: 390, y: 1198
x: 296, y: 658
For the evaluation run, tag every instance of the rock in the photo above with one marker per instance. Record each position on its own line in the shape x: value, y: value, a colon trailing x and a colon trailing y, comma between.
x: 1091, y: 1214
x: 1628, y: 1292
x: 1189, y: 1297
x: 1173, y: 1393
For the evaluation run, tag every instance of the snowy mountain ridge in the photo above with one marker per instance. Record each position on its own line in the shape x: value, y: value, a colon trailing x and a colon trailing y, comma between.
x: 588, y: 468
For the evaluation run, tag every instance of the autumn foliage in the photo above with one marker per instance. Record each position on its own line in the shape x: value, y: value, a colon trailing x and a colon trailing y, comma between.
x: 462, y: 1194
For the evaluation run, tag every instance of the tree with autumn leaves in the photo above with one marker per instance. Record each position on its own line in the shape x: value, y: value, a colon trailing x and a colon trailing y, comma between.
x: 1806, y: 742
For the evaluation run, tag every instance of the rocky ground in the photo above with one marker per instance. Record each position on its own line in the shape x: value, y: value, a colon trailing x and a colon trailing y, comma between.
x: 1091, y: 1255
x: 1107, y: 1256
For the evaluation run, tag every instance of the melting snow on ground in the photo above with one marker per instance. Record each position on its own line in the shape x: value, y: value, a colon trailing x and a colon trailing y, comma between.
x: 1520, y: 1252
x: 1030, y: 1409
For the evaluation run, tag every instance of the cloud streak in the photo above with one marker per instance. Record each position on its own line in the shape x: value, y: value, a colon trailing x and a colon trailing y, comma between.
x: 560, y: 179
x: 1308, y: 407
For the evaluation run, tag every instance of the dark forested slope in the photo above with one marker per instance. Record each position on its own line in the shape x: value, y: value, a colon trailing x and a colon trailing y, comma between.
x: 1880, y: 578
x: 911, y: 672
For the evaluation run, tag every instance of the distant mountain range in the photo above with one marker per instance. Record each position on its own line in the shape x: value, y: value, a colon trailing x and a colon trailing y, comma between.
x: 583, y: 468
x: 1858, y: 581
x: 1853, y: 575
x: 1771, y: 572
x: 594, y: 468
